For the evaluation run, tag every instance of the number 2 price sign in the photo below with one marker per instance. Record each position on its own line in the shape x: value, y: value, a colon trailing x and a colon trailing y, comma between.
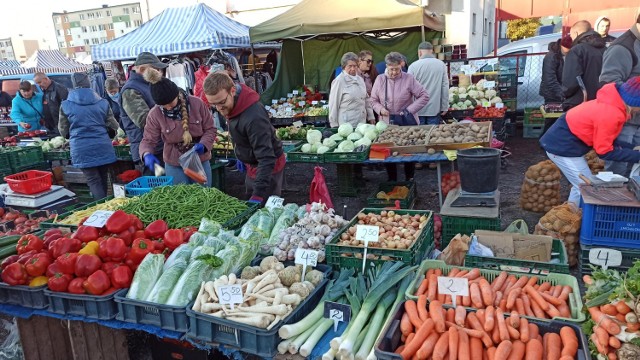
x: 453, y: 286
x: 366, y: 233
x: 306, y: 257
x: 337, y: 312
x: 230, y: 294
x: 99, y: 218
x: 605, y: 257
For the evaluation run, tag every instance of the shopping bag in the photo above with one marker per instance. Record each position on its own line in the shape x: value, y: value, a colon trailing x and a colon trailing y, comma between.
x: 319, y: 191
x: 192, y: 166
x: 518, y: 227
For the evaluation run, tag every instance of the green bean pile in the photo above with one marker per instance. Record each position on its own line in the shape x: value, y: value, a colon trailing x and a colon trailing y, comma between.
x: 184, y: 205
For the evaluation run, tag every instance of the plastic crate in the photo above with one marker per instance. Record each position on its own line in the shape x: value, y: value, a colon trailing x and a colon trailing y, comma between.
x: 532, y: 131
x: 385, y: 347
x: 243, y: 217
x: 346, y: 157
x: 57, y: 155
x: 150, y: 313
x: 343, y: 257
x: 298, y: 156
x: 287, y: 121
x: 30, y: 181
x: 629, y: 256
x: 43, y: 166
x: 615, y: 226
x: 21, y: 156
x: 459, y: 114
x: 144, y: 184
x: 94, y: 307
x: 560, y: 265
x: 73, y: 175
x: 374, y: 202
x: 533, y: 116
x: 123, y: 152
x: 508, y: 92
x: 49, y: 224
x: 346, y: 180
x: 218, y: 180
x: 26, y: 296
x: 224, y: 153
x: 452, y: 225
x: 5, y: 164
x: 249, y: 339
x: 575, y: 299
x: 319, y: 121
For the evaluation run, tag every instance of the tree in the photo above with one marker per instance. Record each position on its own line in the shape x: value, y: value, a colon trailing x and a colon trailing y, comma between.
x: 522, y: 28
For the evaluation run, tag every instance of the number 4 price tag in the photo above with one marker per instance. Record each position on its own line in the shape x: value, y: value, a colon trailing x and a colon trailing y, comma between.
x: 274, y: 202
x: 306, y: 257
x: 230, y: 294
x: 453, y: 286
x: 337, y: 312
x: 605, y: 257
x: 99, y: 218
x: 366, y: 233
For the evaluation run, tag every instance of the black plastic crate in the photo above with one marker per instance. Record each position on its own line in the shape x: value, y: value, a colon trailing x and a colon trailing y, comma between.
x: 23, y: 295
x: 90, y: 306
x: 629, y: 256
x: 145, y: 312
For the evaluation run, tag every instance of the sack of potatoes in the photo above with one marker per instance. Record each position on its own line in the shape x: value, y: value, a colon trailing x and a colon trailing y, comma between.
x: 541, y: 187
x: 563, y: 222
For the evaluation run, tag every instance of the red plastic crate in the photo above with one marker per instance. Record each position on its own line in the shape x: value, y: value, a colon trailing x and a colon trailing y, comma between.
x: 30, y: 181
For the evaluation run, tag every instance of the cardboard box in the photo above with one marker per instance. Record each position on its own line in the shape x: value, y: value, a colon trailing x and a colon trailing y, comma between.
x: 516, y: 246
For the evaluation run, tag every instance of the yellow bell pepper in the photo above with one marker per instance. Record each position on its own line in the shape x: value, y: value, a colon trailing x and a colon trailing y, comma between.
x: 38, y: 281
x: 90, y: 248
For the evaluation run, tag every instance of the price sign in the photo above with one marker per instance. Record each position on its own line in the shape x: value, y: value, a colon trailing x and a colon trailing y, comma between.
x: 230, y: 294
x: 314, y: 102
x: 98, y: 218
x: 366, y: 233
x: 486, y: 104
x: 295, y: 92
x: 274, y: 202
x: 326, y: 106
x: 323, y: 101
x: 289, y: 95
x: 499, y: 105
x: 298, y: 124
x: 283, y: 99
x: 306, y: 257
x: 274, y: 101
x: 118, y: 191
x: 301, y: 103
x: 337, y: 312
x: 301, y: 230
x: 489, y: 84
x: 605, y: 257
x: 453, y: 286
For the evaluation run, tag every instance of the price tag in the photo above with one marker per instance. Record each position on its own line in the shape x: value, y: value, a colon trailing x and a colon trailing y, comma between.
x: 98, y: 218
x: 301, y: 230
x: 289, y: 95
x: 337, y: 312
x: 274, y: 202
x: 326, y: 106
x: 489, y: 84
x: 605, y: 257
x: 295, y: 92
x: 118, y: 191
x: 274, y: 101
x: 283, y: 99
x: 267, y: 107
x: 301, y: 103
x: 306, y: 257
x: 298, y: 124
x: 453, y: 286
x: 323, y: 101
x: 499, y: 105
x: 366, y: 233
x: 314, y: 102
x: 230, y: 294
x: 486, y: 104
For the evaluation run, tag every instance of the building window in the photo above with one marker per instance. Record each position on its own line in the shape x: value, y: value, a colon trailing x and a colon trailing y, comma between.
x: 68, y: 32
x: 98, y: 14
x: 66, y: 19
x: 81, y: 16
x: 135, y: 10
x: 137, y: 23
x: 86, y: 41
x: 57, y: 19
x: 84, y: 29
x: 108, y: 12
x: 101, y: 27
x: 94, y: 28
x: 61, y: 44
x: 95, y: 41
x: 121, y: 31
x: 484, y: 27
x: 473, y: 24
x: 127, y: 24
x: 91, y: 16
x: 59, y: 32
x: 110, y: 26
x: 126, y: 11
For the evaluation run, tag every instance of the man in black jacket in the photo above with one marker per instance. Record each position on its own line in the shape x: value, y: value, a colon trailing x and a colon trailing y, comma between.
x: 550, y: 84
x: 54, y: 95
x: 254, y: 138
x: 584, y: 60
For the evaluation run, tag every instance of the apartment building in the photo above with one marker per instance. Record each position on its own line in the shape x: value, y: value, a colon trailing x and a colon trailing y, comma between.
x: 17, y: 48
x: 76, y: 31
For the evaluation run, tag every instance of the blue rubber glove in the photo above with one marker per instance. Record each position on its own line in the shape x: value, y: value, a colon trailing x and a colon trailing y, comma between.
x: 150, y: 160
x: 199, y: 148
x: 240, y: 166
x: 256, y: 200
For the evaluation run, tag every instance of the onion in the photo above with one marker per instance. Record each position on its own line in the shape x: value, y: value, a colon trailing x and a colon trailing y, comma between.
x: 20, y: 220
x: 11, y: 216
x: 344, y: 236
x: 361, y: 216
x: 383, y: 213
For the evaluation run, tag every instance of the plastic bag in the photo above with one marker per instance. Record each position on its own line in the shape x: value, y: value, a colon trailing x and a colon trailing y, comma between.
x: 319, y: 192
x: 477, y: 249
x: 192, y: 166
x: 518, y: 227
x: 455, y: 252
x: 10, y: 347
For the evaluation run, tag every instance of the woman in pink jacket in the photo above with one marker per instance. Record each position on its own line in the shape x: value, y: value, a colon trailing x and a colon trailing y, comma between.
x: 397, y: 96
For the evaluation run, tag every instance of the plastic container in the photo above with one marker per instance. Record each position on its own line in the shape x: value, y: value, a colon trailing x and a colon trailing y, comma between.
x: 346, y: 157
x: 452, y: 225
x: 525, y: 266
x: 629, y: 256
x: 29, y: 297
x: 30, y: 181
x: 94, y: 307
x: 150, y: 313
x: 57, y: 155
x: 243, y: 217
x: 479, y: 169
x: 575, y: 299
x: 533, y: 116
x: 532, y: 131
x: 123, y: 152
x: 298, y: 156
x: 145, y: 184
x: 21, y: 156
x: 406, y: 203
x: 49, y: 224
x: 614, y: 226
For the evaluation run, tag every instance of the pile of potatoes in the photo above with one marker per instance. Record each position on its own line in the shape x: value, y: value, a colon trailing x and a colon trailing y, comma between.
x: 541, y: 187
x: 595, y: 163
x: 563, y: 222
x: 405, y: 135
x: 459, y: 134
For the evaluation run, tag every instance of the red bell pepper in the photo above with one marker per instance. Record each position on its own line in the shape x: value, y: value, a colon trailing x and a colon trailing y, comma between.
x: 156, y: 229
x: 139, y: 234
x: 158, y: 246
x: 118, y: 222
x: 127, y: 236
x: 67, y: 263
x: 112, y: 249
x: 37, y: 266
x: 29, y: 242
x: 59, y: 282
x: 86, y: 233
x: 109, y: 266
x: 64, y: 245
x: 53, y: 269
x: 52, y: 232
x: 188, y: 231
x: 173, y: 238
x: 139, y: 249
x: 15, y: 274
x: 121, y: 277
x: 24, y: 258
x: 131, y: 264
x: 75, y: 285
x: 136, y: 222
x: 87, y: 264
x: 48, y: 240
x: 9, y: 260
x: 97, y: 283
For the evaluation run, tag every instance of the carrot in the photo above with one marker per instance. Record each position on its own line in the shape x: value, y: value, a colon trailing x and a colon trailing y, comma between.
x: 551, y: 300
x: 437, y: 314
x: 499, y: 281
x: 406, y: 327
x: 517, y: 352
x: 623, y: 308
x: 614, y: 342
x: 527, y: 305
x: 411, y: 347
x: 612, y: 356
x: 569, y: 341
x: 460, y: 315
x: 553, y: 311
x: 495, y: 335
x: 471, y: 332
x: 609, y: 309
x: 453, y: 343
x: 442, y: 347
x: 409, y: 338
x: 587, y: 280
x: 427, y: 347
x: 473, y: 274
x: 491, y: 352
x: 502, y: 325
x: 533, y: 350
x: 519, y: 284
x: 554, y: 346
x: 621, y: 318
x: 511, y: 298
x: 403, y: 338
x: 463, y: 346
x: 566, y: 291
x: 474, y: 323
x: 520, y: 306
x: 422, y: 308
x: 515, y: 319
x: 504, y: 349
x: 507, y: 284
x: 450, y: 315
x: 537, y: 311
x: 499, y: 296
x: 633, y: 327
x: 411, y: 308
x: 557, y: 290
x: 476, y: 298
x: 486, y: 292
x: 564, y: 310
x: 441, y: 298
x: 195, y: 176
x: 438, y: 272
x: 602, y: 348
x: 432, y: 288
x: 566, y: 357
x: 534, y: 332
x: 453, y: 272
x: 466, y: 301
x: 480, y: 314
x: 476, y: 348
x: 532, y: 281
x: 503, y: 304
x: 423, y: 287
x: 536, y: 297
x: 489, y: 318
x: 514, y: 334
x: 524, y: 330
x: 604, y: 321
x: 462, y: 273
x: 602, y: 334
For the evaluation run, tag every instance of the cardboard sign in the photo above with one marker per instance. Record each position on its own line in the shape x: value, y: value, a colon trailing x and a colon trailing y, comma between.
x: 499, y: 105
x: 306, y: 257
x: 230, y: 294
x: 605, y: 257
x: 274, y: 202
x: 99, y: 218
x: 489, y: 84
x: 367, y: 233
x: 516, y: 246
x: 453, y: 286
x: 118, y: 191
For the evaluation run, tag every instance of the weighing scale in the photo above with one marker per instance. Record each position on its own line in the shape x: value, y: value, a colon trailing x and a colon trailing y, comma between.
x: 468, y: 199
x: 56, y: 197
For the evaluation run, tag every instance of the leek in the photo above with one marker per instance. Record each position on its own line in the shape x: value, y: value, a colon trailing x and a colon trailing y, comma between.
x: 356, y: 293
x: 329, y: 355
x: 283, y: 347
x: 312, y: 341
x: 294, y: 346
x: 375, y: 325
x: 360, y: 338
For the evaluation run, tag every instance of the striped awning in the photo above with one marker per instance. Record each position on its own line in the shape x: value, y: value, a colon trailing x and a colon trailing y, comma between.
x: 177, y: 31
x: 49, y: 61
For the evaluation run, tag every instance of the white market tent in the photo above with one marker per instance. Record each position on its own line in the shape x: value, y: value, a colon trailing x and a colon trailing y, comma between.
x: 50, y: 61
x: 177, y: 31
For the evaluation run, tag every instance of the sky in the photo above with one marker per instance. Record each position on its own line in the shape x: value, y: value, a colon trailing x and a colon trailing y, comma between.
x: 32, y: 18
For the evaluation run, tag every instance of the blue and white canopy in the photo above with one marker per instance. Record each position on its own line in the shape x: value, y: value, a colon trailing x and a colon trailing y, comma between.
x: 11, y: 67
x: 177, y: 31
x: 52, y: 61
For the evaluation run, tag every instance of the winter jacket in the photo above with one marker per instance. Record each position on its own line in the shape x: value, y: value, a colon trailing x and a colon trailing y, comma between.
x: 348, y: 101
x: 368, y: 82
x: 396, y: 95
x: 5, y: 99
x: 27, y: 110
x: 84, y: 117
x: 584, y: 60
x: 54, y: 95
x: 594, y: 124
x: 434, y: 77
x: 550, y: 85
x: 160, y: 128
x: 135, y: 102
x: 254, y: 139
x: 198, y: 90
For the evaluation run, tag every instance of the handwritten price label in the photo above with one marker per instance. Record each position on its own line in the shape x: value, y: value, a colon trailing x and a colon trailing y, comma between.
x: 337, y: 312
x: 314, y: 102
x: 486, y: 104
x: 306, y: 257
x: 230, y: 294
x: 274, y: 101
x: 301, y: 103
x: 605, y: 257
x: 453, y: 286
x: 499, y: 105
x: 118, y: 191
x: 367, y: 233
x: 489, y: 84
x: 295, y: 92
x: 99, y: 218
x: 274, y: 202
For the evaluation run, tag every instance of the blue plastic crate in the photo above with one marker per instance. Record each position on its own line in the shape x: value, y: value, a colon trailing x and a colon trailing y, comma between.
x: 30, y: 297
x: 615, y: 226
x: 96, y: 307
x: 145, y: 312
x: 144, y: 184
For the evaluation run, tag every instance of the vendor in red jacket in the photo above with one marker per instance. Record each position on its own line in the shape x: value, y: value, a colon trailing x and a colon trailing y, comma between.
x: 593, y: 124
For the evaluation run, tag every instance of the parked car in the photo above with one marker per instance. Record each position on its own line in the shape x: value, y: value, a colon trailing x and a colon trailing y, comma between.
x: 10, y: 83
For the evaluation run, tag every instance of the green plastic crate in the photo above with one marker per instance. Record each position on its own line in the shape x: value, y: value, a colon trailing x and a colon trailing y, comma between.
x: 298, y: 156
x: 342, y: 257
x: 533, y: 116
x: 44, y: 166
x: 237, y: 222
x: 218, y: 180
x: 346, y: 180
x: 629, y: 256
x: 22, y: 156
x: 575, y: 299
x: 346, y: 157
x: 558, y: 253
x: 49, y: 224
x: 57, y: 155
x: 5, y: 164
x: 532, y: 131
x: 407, y: 203
x: 452, y: 225
x: 123, y: 152
x: 290, y: 145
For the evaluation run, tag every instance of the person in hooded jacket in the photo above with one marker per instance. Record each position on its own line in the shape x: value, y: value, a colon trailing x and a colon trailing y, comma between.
x: 602, y: 26
x: 594, y: 124
x: 26, y: 107
x: 85, y: 118
x: 550, y: 84
x: 584, y: 60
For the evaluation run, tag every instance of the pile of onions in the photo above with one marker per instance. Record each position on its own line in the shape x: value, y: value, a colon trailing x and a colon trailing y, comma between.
x: 396, y: 231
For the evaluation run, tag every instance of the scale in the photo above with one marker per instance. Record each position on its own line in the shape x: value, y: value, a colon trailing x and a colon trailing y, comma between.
x: 55, y: 196
x: 467, y: 199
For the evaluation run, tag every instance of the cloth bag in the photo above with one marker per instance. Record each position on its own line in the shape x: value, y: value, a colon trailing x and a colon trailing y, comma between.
x: 319, y: 192
x: 192, y: 166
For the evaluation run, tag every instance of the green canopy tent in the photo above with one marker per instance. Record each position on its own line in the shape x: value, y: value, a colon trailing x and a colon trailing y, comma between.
x: 316, y: 33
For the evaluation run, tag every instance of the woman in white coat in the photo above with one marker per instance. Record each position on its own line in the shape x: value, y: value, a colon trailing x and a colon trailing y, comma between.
x: 348, y: 99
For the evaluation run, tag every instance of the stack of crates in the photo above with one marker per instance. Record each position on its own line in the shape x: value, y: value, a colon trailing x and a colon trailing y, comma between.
x: 533, y: 123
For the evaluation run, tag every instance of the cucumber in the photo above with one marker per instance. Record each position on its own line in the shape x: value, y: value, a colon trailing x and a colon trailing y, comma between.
x: 8, y: 251
x: 8, y: 240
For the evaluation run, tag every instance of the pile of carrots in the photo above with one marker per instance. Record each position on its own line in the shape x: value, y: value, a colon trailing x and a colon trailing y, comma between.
x: 608, y: 319
x: 487, y: 334
x: 506, y: 292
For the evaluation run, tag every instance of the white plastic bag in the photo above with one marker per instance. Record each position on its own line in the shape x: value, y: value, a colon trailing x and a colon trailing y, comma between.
x: 477, y: 249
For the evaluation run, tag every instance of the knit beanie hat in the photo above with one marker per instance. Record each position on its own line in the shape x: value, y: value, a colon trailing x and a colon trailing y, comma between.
x: 566, y: 42
x: 80, y: 80
x: 630, y: 91
x: 163, y: 90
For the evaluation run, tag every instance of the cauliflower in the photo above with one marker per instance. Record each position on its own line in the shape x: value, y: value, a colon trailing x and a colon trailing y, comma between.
x: 480, y: 85
x: 462, y: 90
x: 496, y: 99
x: 490, y: 93
x: 314, y: 277
x: 290, y: 275
x: 453, y: 90
x: 300, y: 289
x: 270, y: 262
